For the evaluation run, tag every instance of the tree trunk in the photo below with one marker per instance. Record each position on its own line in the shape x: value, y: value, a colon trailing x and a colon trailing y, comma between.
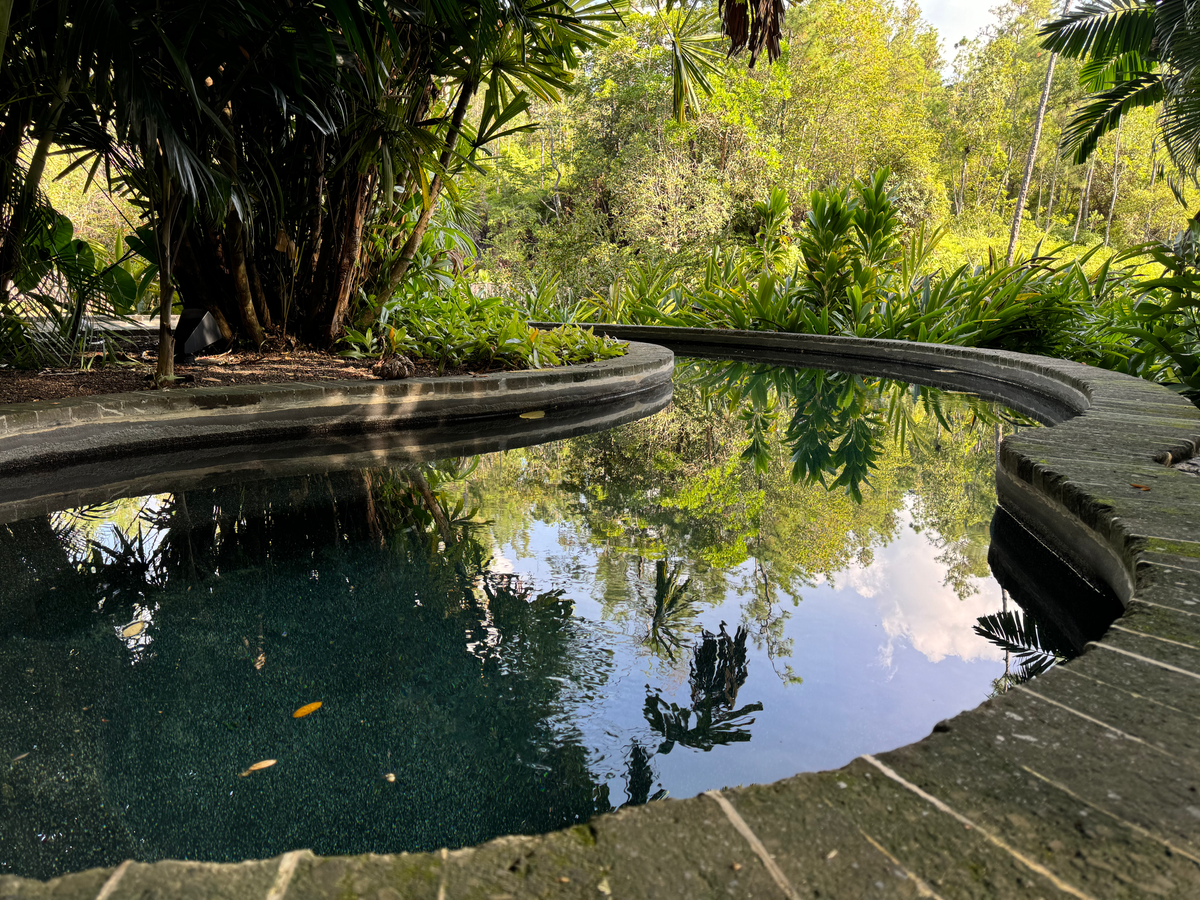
x: 414, y: 239
x: 235, y: 253
x: 1015, y: 231
x: 318, y: 209
x: 1083, y: 199
x: 1037, y: 204
x: 165, y: 370
x: 962, y: 184
x: 1050, y: 201
x: 1003, y: 184
x: 1112, y: 204
x: 329, y: 300
x: 260, y: 296
x: 201, y: 277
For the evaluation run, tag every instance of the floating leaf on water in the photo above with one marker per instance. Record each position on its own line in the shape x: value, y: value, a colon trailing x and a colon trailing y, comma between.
x: 306, y: 709
x: 535, y: 414
x: 133, y: 629
x: 263, y: 764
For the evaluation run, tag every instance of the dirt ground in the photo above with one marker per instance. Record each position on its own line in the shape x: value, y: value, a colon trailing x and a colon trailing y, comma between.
x: 135, y: 372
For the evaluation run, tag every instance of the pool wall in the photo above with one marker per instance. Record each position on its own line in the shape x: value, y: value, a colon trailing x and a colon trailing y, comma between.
x: 1083, y: 783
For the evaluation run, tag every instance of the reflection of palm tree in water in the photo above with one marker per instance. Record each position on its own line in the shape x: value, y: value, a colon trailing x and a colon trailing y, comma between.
x: 1030, y: 649
x: 718, y: 672
x: 672, y: 612
x: 718, y: 669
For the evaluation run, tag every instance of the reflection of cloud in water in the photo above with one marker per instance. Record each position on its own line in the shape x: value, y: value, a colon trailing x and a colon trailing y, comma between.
x: 906, y: 582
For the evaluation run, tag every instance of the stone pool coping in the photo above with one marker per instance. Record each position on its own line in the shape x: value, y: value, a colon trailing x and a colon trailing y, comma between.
x: 48, y: 434
x: 1083, y: 783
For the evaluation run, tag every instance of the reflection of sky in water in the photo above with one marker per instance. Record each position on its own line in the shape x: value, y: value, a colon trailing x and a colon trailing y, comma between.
x: 884, y: 654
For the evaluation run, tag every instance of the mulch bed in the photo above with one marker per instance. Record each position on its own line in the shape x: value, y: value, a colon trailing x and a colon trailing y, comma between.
x: 136, y: 373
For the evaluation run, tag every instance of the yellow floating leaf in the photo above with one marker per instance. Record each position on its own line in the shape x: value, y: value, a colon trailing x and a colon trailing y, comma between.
x: 536, y: 414
x: 306, y: 709
x: 133, y: 629
x: 262, y: 764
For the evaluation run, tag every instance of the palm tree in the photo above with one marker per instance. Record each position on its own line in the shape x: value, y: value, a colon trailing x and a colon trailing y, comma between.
x: 1139, y: 54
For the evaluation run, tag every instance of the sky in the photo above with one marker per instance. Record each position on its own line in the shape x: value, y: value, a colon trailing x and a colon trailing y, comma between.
x: 956, y: 19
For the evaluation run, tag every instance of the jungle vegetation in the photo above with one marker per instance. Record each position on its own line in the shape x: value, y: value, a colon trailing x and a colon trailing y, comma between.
x: 392, y: 177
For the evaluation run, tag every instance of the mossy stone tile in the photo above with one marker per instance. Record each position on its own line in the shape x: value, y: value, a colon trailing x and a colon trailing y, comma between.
x: 175, y: 880
x: 1101, y: 855
x: 818, y: 847
x: 1176, y: 655
x: 1163, y: 726
x: 1152, y: 405
x: 1168, y: 579
x: 953, y: 859
x: 1108, y: 472
x: 678, y: 848
x: 1168, y: 624
x: 416, y: 876
x: 1178, y: 595
x: 1126, y: 778
x: 1137, y: 678
x: 1103, y: 432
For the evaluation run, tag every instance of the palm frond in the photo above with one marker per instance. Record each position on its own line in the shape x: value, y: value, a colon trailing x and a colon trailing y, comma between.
x: 1104, y: 110
x: 1103, y: 30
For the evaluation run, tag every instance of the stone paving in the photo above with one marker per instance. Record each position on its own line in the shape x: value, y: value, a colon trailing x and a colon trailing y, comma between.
x: 1083, y: 783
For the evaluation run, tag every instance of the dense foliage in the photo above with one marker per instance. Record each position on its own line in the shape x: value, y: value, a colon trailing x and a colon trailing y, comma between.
x: 366, y: 175
x: 849, y: 269
x: 262, y: 142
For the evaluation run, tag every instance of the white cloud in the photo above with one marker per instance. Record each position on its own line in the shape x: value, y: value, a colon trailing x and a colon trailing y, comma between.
x: 906, y: 584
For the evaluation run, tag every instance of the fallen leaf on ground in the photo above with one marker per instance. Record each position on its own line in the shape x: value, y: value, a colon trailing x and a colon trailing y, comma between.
x: 306, y: 709
x: 536, y: 414
x: 1140, y: 487
x: 264, y: 764
x: 133, y: 629
x: 19, y: 758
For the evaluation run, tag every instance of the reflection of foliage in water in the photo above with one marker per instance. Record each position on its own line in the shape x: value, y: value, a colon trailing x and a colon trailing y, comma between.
x: 389, y: 615
x: 701, y: 481
x: 672, y: 614
x: 718, y: 671
x: 1029, y: 650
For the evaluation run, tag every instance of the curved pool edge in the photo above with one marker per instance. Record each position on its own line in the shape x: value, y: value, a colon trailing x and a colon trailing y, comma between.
x: 1083, y: 783
x: 48, y: 434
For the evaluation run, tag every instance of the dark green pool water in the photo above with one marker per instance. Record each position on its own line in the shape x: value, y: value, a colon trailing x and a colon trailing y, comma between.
x: 782, y: 571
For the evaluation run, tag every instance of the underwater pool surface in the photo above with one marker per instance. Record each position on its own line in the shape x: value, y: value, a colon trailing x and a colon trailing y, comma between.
x: 783, y: 570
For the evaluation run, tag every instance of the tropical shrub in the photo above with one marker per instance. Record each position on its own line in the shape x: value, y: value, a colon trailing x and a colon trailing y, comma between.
x: 454, y: 327
x: 859, y: 274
